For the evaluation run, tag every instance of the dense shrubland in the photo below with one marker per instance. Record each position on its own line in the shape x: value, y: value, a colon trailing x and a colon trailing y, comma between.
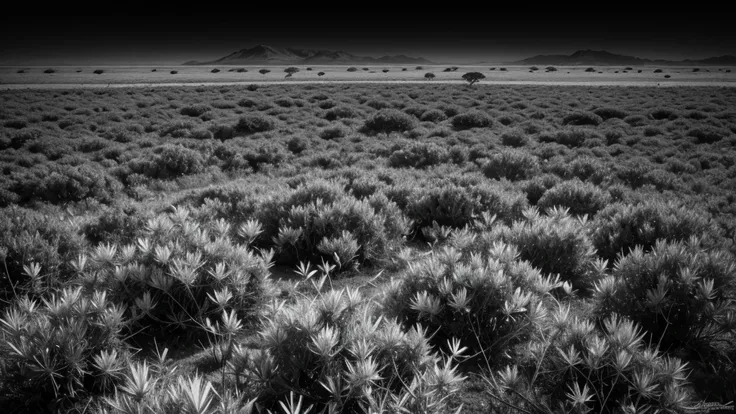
x: 559, y: 249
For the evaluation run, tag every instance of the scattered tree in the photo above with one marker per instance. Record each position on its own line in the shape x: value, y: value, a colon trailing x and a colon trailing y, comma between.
x: 309, y: 68
x: 321, y: 74
x: 215, y: 70
x: 419, y: 67
x: 353, y: 69
x: 98, y: 72
x: 657, y: 70
x: 264, y: 71
x: 590, y: 70
x: 49, y: 71
x: 290, y: 71
x: 429, y: 76
x: 473, y: 77
x: 385, y: 71
x: 174, y: 72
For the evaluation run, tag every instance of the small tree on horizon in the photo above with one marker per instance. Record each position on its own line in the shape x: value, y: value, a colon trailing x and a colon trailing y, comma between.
x: 321, y: 74
x: 473, y: 77
x: 429, y: 76
x: 290, y: 71
x: 264, y: 71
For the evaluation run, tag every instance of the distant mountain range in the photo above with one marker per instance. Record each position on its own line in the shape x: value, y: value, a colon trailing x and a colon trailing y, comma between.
x: 267, y: 55
x: 604, y: 58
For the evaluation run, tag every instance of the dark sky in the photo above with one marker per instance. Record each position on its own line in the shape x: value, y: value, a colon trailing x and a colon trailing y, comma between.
x: 167, y: 36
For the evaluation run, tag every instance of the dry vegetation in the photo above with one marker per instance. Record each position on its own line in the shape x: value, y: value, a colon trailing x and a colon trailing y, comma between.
x: 355, y: 248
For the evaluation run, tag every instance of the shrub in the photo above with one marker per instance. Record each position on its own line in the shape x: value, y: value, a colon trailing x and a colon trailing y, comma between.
x: 433, y: 115
x: 514, y: 138
x: 119, y: 225
x: 58, y: 353
x: 538, y: 185
x: 577, y: 196
x: 340, y: 112
x: 334, y: 132
x: 471, y: 119
x: 429, y: 76
x: 352, y: 69
x: 609, y: 113
x: 663, y: 113
x: 194, y: 110
x: 455, y: 297
x: 679, y: 293
x: 98, y: 71
x: 298, y: 220
x: 455, y: 206
x: 418, y: 155
x: 215, y: 70
x: 264, y: 71
x: 621, y: 227
x: 250, y: 124
x: 569, y: 351
x: 590, y: 70
x: 297, y: 144
x: 49, y: 71
x: 511, y: 164
x: 338, y: 339
x: 570, y: 137
x: 390, y: 120
x: 708, y: 135
x: 174, y: 72
x: 582, y: 118
x: 26, y: 237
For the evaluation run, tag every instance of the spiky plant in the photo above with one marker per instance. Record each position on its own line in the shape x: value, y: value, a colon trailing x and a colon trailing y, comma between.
x: 573, y: 367
x: 61, y: 351
x: 488, y: 304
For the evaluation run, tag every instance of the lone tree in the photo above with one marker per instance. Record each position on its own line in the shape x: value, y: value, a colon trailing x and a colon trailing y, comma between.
x: 385, y: 71
x: 429, y: 76
x: 290, y: 71
x: 321, y: 74
x: 264, y: 71
x: 352, y: 69
x: 473, y: 77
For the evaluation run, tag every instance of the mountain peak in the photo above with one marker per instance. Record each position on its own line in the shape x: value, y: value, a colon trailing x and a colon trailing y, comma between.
x: 264, y: 54
x: 605, y: 58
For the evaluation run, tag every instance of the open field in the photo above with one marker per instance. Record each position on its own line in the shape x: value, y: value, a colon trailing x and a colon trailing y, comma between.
x: 112, y: 75
x: 360, y: 247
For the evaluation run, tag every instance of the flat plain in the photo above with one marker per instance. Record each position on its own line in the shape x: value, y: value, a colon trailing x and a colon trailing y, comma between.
x: 367, y: 247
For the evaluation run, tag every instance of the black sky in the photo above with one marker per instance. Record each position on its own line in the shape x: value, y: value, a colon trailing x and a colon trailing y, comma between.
x: 165, y: 36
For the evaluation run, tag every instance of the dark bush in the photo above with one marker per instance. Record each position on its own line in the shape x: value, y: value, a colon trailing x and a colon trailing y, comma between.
x: 250, y: 124
x: 98, y: 71
x: 608, y: 113
x: 663, y: 113
x: 471, y: 119
x: 340, y: 112
x: 582, y: 118
x: 708, y: 135
x: 514, y: 138
x: 297, y: 144
x: 194, y: 110
x: 433, y: 115
x: 621, y: 227
x: 390, y: 120
x: 334, y: 132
